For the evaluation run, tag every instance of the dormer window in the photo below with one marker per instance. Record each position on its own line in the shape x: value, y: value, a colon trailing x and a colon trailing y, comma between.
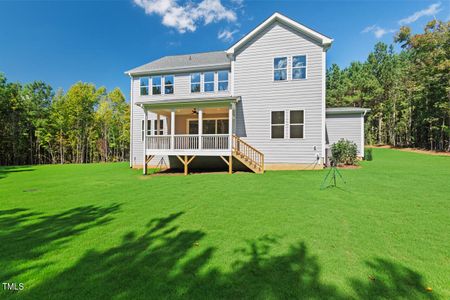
x: 168, y: 84
x: 156, y: 85
x: 223, y: 80
x: 143, y: 83
x: 195, y: 83
x: 208, y: 82
x: 280, y: 68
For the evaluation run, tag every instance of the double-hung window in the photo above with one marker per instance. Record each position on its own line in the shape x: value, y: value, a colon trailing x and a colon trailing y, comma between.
x: 156, y: 85
x: 195, y: 83
x: 277, y: 124
x: 222, y: 80
x: 280, y: 68
x: 161, y: 127
x: 299, y: 67
x: 143, y: 83
x: 296, y: 124
x: 208, y: 82
x: 168, y: 84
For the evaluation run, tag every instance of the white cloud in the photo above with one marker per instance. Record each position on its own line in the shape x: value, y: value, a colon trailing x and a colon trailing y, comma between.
x: 186, y: 17
x: 429, y: 11
x: 226, y: 35
x: 377, y: 31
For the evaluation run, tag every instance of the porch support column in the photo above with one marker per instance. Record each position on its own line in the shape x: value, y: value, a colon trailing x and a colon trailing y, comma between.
x: 200, y: 128
x: 230, y: 126
x: 144, y: 158
x: 158, y: 117
x: 172, y: 129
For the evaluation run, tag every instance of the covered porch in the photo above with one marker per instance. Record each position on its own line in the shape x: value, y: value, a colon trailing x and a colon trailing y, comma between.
x: 194, y: 127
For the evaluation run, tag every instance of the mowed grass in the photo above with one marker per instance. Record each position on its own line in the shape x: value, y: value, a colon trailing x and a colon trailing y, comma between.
x: 104, y: 231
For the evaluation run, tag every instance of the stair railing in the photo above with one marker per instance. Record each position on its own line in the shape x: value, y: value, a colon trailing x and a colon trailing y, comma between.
x: 248, y: 152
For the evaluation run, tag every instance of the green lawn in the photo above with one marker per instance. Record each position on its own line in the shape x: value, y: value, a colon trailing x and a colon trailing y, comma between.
x: 104, y: 231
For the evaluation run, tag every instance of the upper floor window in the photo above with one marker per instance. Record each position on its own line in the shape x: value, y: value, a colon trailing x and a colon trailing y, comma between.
x: 168, y: 84
x: 143, y: 83
x: 156, y: 85
x: 299, y: 67
x: 280, y: 68
x: 277, y: 124
x: 195, y: 82
x: 208, y: 82
x: 223, y: 80
x: 296, y: 124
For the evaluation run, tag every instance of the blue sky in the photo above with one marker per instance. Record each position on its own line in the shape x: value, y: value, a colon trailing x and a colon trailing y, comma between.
x: 62, y: 42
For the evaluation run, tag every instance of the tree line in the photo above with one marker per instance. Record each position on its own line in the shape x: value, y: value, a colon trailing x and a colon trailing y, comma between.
x: 407, y: 91
x: 85, y: 124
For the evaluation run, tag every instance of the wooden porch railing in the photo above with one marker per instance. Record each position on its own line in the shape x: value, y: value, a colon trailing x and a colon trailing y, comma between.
x: 247, y: 152
x: 215, y: 141
x: 158, y: 142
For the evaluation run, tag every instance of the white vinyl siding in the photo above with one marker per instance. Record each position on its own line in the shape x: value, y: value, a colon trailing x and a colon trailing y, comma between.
x: 346, y: 126
x: 260, y: 94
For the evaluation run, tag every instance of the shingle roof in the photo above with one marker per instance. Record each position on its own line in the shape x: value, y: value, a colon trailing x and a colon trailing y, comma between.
x: 186, y: 61
x: 346, y: 110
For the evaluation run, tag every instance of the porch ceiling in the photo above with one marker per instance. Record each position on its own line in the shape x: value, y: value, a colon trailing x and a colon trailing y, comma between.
x: 189, y: 103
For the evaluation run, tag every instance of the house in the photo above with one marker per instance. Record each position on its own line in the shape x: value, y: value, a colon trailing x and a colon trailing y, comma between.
x: 259, y: 104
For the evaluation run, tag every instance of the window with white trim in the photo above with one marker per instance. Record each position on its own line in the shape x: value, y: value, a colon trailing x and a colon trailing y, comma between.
x: 277, y: 124
x: 168, y: 84
x: 143, y: 84
x: 222, y: 77
x: 279, y: 68
x: 161, y: 127
x: 296, y: 124
x: 195, y: 83
x: 299, y: 67
x: 208, y: 82
x: 156, y: 85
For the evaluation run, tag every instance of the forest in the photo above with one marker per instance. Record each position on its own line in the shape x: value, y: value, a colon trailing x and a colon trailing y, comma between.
x: 407, y: 90
x: 85, y: 124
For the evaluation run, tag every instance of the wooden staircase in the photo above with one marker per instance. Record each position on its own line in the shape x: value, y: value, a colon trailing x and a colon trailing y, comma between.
x: 248, y: 155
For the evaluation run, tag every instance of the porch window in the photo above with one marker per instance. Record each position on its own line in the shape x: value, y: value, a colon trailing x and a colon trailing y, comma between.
x: 280, y: 68
x: 297, y: 124
x: 168, y: 84
x: 277, y: 124
x: 161, y: 127
x: 299, y: 67
x: 195, y: 83
x: 156, y: 85
x: 143, y: 83
x: 223, y: 80
x: 208, y: 82
x: 210, y: 126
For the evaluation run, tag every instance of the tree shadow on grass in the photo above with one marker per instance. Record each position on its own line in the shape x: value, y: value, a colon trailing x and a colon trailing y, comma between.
x: 25, y: 236
x: 5, y: 171
x: 389, y: 280
x: 168, y: 263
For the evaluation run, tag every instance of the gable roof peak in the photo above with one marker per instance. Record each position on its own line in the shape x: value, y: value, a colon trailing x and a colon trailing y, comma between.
x: 323, y: 39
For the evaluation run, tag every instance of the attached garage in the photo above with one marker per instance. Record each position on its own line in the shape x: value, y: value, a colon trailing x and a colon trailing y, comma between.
x: 345, y: 123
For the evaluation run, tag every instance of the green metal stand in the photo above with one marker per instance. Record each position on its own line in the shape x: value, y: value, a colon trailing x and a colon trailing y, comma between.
x: 333, y: 182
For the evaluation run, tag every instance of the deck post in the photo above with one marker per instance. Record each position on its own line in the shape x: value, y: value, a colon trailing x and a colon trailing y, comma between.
x: 230, y: 127
x: 185, y: 165
x: 230, y: 164
x: 200, y: 128
x: 144, y: 158
x: 172, y: 129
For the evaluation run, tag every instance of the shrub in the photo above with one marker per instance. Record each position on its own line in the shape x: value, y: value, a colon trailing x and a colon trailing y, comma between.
x: 344, y: 152
x: 368, y: 154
